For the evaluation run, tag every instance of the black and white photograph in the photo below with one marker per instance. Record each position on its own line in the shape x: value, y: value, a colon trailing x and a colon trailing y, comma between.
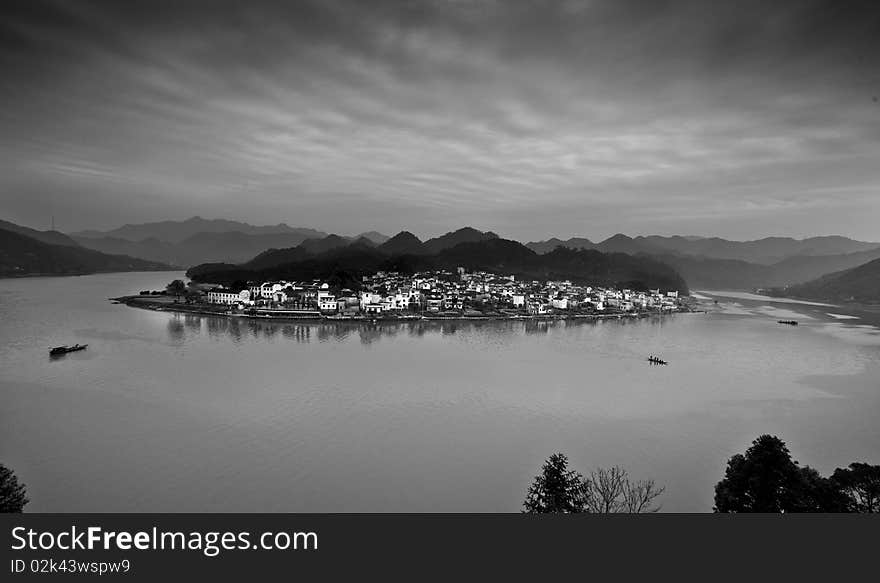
x: 439, y: 256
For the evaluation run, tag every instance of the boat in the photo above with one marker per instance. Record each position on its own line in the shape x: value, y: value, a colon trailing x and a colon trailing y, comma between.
x: 788, y: 322
x: 656, y: 360
x: 58, y: 350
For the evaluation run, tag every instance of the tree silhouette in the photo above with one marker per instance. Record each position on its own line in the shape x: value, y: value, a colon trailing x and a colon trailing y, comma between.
x: 610, y: 491
x: 860, y: 484
x: 556, y: 490
x: 176, y: 288
x: 13, y: 495
x: 766, y: 479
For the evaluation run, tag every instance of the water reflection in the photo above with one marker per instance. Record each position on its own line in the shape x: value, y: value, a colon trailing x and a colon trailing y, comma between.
x: 369, y: 332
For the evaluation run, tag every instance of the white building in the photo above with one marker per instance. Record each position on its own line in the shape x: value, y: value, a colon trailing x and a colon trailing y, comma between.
x: 229, y: 297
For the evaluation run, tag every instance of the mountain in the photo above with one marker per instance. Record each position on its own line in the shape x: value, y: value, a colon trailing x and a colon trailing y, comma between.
x: 23, y: 255
x: 766, y: 251
x: 549, y: 245
x: 403, y: 243
x: 374, y: 236
x: 324, y: 244
x: 177, y: 231
x: 364, y: 242
x: 272, y: 257
x: 50, y: 237
x: 451, y: 239
x: 230, y: 246
x: 490, y: 254
x: 859, y: 284
x: 707, y: 273
x: 151, y: 249
x: 621, y: 243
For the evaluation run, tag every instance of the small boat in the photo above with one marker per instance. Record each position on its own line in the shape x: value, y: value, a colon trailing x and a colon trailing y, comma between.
x: 656, y: 360
x: 59, y: 350
x: 788, y: 322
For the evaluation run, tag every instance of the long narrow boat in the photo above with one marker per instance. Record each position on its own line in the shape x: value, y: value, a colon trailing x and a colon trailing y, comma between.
x: 59, y: 350
x: 789, y: 322
x: 655, y: 360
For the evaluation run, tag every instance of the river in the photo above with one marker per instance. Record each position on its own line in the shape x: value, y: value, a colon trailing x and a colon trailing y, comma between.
x: 172, y: 412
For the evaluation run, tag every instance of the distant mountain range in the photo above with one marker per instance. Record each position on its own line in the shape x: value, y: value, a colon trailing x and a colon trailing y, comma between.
x: 465, y: 247
x: 25, y: 251
x: 715, y: 263
x: 197, y: 240
x: 50, y: 237
x: 767, y: 251
x: 704, y: 262
x: 859, y: 284
x: 178, y: 231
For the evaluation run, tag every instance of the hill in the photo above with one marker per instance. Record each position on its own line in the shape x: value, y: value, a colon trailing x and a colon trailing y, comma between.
x: 453, y: 238
x: 492, y: 254
x: 859, y: 284
x: 50, y: 237
x: 766, y: 251
x: 178, y: 231
x: 22, y: 255
x: 542, y: 247
x: 374, y: 236
x: 230, y: 246
x: 403, y: 243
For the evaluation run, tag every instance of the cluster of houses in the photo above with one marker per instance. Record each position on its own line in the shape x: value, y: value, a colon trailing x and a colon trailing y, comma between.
x: 445, y: 293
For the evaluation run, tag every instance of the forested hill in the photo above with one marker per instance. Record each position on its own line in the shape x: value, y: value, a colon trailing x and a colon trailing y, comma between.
x: 22, y: 255
x: 347, y: 265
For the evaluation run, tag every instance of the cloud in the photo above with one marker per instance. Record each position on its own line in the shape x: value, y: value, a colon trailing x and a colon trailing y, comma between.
x: 654, y: 115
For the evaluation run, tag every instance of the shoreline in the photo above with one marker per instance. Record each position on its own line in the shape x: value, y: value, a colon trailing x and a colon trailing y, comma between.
x: 141, y: 302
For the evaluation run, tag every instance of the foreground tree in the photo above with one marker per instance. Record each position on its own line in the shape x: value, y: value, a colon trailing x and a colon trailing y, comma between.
x: 556, y: 490
x: 176, y: 288
x: 860, y: 485
x: 766, y: 479
x: 606, y: 491
x: 610, y: 491
x: 13, y: 495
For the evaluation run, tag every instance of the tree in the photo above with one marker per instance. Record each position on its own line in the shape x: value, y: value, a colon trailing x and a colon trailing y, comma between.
x: 860, y: 485
x: 814, y: 493
x: 610, y: 491
x: 766, y: 479
x: 176, y: 288
x: 556, y: 490
x: 13, y: 495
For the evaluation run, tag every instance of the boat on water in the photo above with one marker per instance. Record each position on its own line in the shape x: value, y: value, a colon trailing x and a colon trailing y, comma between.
x: 59, y: 350
x: 656, y: 360
x: 788, y: 322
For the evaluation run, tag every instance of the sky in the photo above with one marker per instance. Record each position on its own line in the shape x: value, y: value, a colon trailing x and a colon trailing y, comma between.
x: 531, y: 119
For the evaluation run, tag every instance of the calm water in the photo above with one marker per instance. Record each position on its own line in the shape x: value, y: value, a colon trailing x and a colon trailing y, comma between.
x: 168, y: 412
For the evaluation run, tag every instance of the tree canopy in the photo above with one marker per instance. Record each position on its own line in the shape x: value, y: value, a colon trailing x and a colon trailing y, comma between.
x: 767, y: 479
x: 176, y: 287
x: 556, y: 489
x: 606, y: 491
x: 860, y: 485
x: 13, y: 495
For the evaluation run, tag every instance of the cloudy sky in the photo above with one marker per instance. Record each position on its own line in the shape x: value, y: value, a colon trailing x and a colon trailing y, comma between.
x: 533, y: 119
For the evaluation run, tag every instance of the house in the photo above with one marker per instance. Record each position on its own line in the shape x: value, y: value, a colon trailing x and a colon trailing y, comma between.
x: 326, y: 300
x: 229, y: 297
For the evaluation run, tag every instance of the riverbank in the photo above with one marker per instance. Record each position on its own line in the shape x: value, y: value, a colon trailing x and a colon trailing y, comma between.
x: 167, y: 304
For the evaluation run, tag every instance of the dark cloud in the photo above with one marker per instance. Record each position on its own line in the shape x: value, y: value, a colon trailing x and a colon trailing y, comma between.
x: 531, y: 118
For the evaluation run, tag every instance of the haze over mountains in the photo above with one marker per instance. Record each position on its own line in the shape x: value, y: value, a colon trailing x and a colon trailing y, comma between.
x: 702, y: 262
x: 25, y: 251
x: 859, y: 284
x: 197, y: 240
x: 467, y: 247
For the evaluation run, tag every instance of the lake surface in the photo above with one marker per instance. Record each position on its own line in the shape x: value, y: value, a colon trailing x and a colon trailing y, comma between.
x: 169, y: 412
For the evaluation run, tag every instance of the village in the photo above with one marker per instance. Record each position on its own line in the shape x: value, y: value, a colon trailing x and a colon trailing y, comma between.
x: 439, y: 294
